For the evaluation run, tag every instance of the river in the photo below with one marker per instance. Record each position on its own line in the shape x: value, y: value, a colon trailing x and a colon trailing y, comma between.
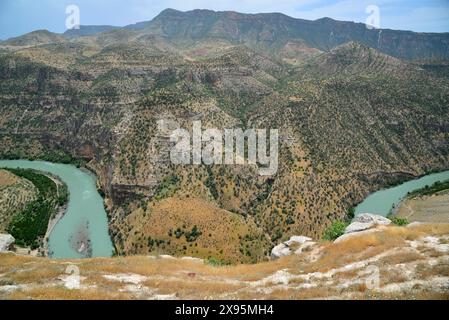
x: 83, y: 230
x: 381, y: 202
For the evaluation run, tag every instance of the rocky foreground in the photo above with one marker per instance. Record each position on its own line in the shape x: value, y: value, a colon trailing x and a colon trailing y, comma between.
x: 384, y: 262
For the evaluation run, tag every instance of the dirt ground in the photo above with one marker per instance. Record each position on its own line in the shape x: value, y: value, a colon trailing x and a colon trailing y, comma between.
x: 7, y: 178
x: 434, y: 208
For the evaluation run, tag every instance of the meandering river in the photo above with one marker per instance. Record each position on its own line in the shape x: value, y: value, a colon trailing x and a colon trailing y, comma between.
x: 83, y: 230
x: 381, y: 202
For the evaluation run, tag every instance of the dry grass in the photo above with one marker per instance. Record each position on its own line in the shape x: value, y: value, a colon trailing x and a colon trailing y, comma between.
x: 62, y: 293
x: 427, y: 271
x: 401, y: 258
x: 7, y: 178
x: 336, y: 255
x: 184, y: 278
x: 223, y: 233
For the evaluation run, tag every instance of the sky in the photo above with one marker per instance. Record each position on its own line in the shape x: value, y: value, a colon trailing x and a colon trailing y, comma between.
x: 18, y: 17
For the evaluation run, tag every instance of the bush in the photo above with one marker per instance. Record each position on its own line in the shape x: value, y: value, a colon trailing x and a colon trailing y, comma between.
x: 214, y: 262
x: 335, y: 230
x: 351, y: 213
x: 193, y: 235
x: 399, y: 221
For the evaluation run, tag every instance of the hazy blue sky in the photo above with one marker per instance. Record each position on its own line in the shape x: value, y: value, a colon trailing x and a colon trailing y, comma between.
x: 21, y: 16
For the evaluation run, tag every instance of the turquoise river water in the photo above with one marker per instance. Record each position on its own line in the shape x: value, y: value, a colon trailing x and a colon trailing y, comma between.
x: 381, y: 202
x: 85, y: 223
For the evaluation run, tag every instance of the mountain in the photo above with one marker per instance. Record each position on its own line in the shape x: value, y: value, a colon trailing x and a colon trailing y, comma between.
x: 274, y: 30
x: 355, y: 115
x: 34, y: 38
x: 354, y: 58
x: 87, y: 31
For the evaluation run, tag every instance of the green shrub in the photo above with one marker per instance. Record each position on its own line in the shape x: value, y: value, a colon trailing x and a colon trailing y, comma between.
x: 167, y: 187
x: 214, y: 262
x: 193, y: 235
x: 399, y: 221
x: 351, y: 213
x: 335, y: 230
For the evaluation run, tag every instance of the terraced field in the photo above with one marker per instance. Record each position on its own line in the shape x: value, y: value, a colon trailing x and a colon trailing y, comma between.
x: 15, y: 194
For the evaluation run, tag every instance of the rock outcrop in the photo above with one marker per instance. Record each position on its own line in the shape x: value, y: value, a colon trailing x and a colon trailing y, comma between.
x: 296, y: 245
x: 363, y: 223
x: 366, y: 221
x: 6, y: 241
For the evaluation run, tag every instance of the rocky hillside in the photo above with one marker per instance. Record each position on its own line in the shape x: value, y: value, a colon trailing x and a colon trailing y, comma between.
x: 353, y: 117
x: 389, y: 263
x: 275, y: 30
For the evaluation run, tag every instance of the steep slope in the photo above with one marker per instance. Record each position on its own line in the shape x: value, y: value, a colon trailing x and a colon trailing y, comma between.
x: 186, y: 226
x: 272, y: 31
x: 356, y: 124
x: 353, y: 58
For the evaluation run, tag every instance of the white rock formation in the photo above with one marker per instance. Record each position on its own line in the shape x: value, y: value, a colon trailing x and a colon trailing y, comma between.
x: 6, y: 240
x: 366, y: 221
x: 358, y: 226
x: 297, y: 243
x: 369, y: 217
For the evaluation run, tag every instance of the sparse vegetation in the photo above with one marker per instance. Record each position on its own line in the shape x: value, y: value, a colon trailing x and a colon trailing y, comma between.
x: 429, y: 190
x: 351, y: 119
x: 405, y: 273
x: 399, y: 221
x: 335, y: 230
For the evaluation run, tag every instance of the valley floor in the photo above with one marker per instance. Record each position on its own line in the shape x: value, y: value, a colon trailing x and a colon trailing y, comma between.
x: 388, y: 263
x: 434, y: 208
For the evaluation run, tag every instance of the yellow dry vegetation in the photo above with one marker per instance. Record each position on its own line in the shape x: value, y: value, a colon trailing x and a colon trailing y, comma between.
x: 328, y: 271
x: 224, y: 236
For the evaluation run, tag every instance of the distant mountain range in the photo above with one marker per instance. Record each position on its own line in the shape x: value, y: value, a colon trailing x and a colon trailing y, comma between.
x: 271, y: 31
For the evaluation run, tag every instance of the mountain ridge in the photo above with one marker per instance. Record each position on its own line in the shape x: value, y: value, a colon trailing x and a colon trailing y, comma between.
x: 272, y: 32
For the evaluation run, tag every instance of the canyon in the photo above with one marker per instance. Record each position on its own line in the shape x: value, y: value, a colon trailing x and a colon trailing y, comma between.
x: 357, y: 110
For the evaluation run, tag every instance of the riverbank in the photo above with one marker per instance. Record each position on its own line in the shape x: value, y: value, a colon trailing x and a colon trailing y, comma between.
x: 58, y: 196
x: 85, y: 208
x: 51, y: 225
x: 384, y: 202
x: 429, y: 208
x: 30, y: 225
